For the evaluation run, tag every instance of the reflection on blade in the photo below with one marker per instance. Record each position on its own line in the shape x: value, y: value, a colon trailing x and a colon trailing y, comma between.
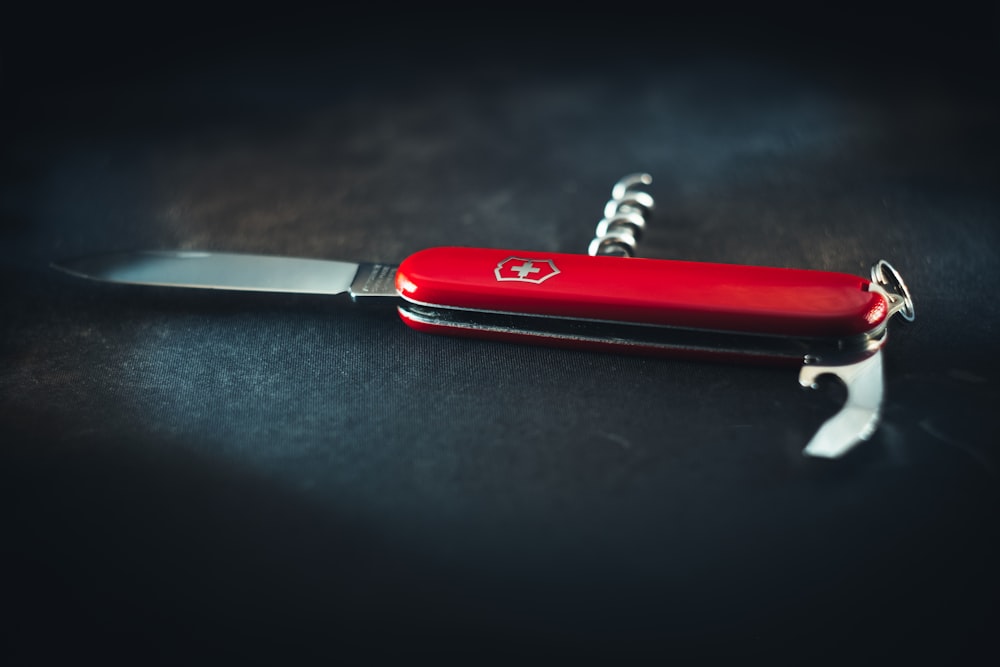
x: 225, y: 271
x: 857, y: 420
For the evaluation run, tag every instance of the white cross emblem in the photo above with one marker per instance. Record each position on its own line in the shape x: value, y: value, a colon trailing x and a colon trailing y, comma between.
x: 525, y: 270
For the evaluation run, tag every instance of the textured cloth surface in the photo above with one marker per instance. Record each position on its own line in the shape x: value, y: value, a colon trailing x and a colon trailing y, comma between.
x: 190, y: 473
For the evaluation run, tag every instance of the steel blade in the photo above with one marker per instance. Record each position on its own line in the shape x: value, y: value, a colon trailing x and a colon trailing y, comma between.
x: 222, y: 271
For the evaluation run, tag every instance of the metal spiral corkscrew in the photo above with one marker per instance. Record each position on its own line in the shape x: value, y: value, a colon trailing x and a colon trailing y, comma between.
x: 620, y: 230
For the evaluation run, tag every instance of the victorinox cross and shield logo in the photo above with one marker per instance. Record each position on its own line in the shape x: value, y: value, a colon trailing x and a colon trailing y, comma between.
x: 525, y: 270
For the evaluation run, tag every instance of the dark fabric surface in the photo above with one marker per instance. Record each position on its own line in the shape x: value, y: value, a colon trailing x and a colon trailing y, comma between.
x: 194, y: 475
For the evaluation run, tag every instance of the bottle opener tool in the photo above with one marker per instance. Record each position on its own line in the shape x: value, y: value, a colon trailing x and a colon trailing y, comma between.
x: 827, y: 323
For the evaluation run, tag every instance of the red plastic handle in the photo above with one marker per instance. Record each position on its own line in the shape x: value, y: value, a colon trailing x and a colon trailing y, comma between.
x: 717, y: 297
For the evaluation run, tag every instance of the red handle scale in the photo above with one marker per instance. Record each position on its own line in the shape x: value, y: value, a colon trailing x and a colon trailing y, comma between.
x: 688, y: 295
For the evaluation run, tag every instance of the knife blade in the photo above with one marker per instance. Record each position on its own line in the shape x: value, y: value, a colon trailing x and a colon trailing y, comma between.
x: 832, y: 322
x: 224, y: 271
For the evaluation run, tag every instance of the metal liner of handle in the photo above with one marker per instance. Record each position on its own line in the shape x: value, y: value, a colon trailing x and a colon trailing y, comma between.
x: 620, y: 230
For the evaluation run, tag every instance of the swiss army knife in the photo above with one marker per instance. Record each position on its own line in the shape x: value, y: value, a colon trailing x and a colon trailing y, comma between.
x: 607, y: 300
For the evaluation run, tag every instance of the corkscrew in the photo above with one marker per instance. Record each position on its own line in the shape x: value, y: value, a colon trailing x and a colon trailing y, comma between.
x: 620, y: 230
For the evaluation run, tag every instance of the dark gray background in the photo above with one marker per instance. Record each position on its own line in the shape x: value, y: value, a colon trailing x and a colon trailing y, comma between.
x: 260, y: 476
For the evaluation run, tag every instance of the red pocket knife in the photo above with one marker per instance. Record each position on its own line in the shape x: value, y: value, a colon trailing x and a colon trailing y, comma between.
x: 830, y: 323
